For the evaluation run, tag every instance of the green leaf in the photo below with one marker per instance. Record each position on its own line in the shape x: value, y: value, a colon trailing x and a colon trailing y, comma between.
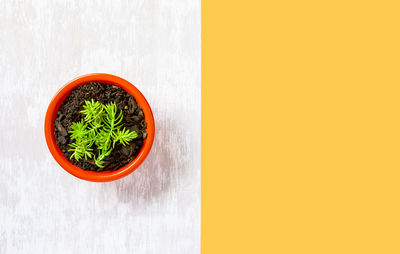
x: 124, y: 136
x: 81, y: 149
x: 92, y: 110
x: 78, y: 130
x: 99, y: 161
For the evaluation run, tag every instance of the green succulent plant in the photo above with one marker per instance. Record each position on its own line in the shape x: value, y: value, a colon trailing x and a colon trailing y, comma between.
x: 101, y: 126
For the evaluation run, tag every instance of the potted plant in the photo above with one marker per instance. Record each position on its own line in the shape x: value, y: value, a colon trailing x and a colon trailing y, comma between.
x: 99, y: 127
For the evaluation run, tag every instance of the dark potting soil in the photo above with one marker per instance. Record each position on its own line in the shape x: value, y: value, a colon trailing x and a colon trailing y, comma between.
x: 133, y: 119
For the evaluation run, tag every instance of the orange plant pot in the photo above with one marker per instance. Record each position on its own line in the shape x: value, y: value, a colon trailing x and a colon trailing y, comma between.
x: 93, y: 176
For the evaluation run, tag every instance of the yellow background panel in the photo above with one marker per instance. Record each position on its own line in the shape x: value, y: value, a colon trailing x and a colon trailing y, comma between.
x: 300, y: 127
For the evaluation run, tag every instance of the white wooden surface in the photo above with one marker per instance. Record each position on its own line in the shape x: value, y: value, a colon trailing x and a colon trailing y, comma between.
x: 155, y: 44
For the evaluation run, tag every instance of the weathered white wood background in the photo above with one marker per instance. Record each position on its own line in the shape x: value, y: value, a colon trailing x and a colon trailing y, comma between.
x: 155, y: 44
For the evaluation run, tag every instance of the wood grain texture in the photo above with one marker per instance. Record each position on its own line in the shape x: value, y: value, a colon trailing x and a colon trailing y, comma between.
x: 155, y: 44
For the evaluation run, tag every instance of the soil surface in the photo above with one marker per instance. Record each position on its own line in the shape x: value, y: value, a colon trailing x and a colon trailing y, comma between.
x: 133, y: 119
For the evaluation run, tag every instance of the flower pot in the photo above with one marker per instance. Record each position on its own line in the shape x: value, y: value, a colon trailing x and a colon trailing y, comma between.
x: 106, y: 175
